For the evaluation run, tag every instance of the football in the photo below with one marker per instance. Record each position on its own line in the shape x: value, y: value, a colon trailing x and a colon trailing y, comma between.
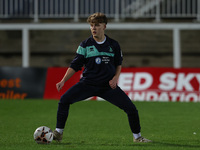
x: 43, y: 135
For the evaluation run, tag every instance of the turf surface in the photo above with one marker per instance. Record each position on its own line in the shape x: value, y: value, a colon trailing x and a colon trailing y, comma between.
x: 98, y: 125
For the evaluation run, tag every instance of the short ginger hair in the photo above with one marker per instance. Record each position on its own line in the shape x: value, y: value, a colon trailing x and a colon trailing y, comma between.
x: 97, y: 18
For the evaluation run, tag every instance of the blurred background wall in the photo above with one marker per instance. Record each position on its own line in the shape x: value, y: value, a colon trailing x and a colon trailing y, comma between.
x: 141, y: 48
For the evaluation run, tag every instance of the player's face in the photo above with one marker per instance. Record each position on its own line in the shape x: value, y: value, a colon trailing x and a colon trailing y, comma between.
x: 97, y: 29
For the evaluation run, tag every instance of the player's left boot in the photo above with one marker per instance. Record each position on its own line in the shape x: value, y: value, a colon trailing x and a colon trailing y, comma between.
x: 141, y: 140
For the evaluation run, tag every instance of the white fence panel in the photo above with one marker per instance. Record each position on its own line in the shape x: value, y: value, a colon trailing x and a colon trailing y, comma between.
x: 116, y: 9
x: 176, y: 27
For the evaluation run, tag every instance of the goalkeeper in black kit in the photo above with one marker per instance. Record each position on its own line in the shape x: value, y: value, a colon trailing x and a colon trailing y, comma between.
x: 101, y: 57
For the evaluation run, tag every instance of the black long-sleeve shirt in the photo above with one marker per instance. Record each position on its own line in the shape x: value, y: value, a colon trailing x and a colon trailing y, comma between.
x: 99, y: 61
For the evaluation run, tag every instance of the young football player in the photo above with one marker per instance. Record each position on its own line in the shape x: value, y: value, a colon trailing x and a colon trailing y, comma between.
x: 101, y: 57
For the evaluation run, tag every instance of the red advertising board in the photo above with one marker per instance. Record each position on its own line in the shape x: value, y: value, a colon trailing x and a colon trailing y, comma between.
x: 161, y: 84
x: 141, y: 84
x: 54, y: 75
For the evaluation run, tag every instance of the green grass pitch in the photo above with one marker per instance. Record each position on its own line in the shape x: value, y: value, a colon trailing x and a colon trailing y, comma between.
x: 98, y: 125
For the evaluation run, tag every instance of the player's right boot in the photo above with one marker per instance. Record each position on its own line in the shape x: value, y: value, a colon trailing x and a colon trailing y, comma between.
x: 57, y: 136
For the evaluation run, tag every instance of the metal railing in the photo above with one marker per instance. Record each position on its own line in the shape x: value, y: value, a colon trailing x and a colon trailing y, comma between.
x: 175, y: 27
x: 116, y: 9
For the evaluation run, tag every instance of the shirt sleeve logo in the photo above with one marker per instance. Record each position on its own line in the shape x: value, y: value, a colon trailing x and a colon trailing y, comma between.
x: 98, y: 60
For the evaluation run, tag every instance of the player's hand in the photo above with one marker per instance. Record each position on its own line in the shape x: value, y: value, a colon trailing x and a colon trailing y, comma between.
x: 59, y: 85
x: 113, y: 83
